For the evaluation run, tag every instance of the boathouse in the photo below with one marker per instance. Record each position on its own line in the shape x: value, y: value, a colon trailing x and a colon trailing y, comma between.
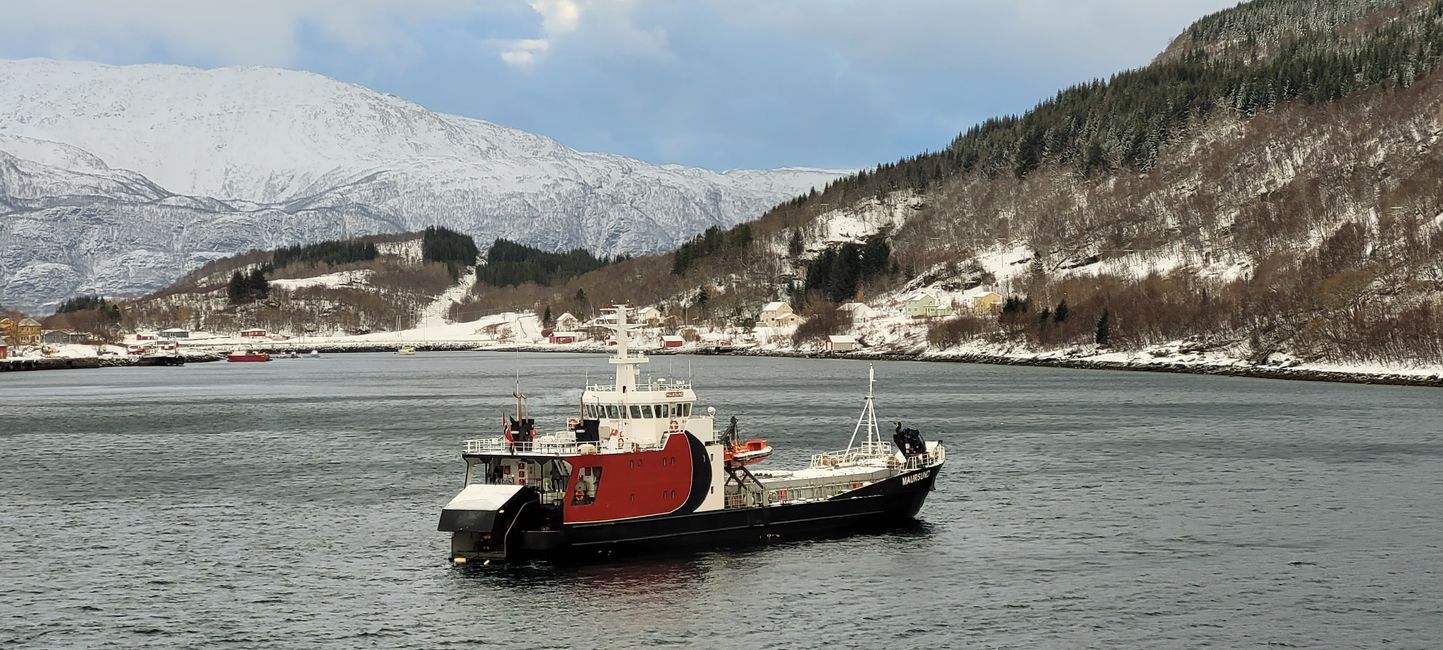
x: 562, y: 338
x: 841, y: 343
x: 4, y: 350
x: 175, y: 333
x: 63, y: 337
x: 672, y: 341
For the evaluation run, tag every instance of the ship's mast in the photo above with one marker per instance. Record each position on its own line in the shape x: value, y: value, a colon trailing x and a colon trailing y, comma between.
x: 624, y: 360
x: 872, y: 442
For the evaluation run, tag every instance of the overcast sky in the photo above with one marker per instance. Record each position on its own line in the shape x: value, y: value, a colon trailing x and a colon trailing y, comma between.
x: 715, y: 83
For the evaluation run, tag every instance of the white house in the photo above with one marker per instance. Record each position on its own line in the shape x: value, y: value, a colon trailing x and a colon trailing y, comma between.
x: 778, y: 314
x: 859, y: 311
x: 925, y: 304
x: 648, y: 316
x: 566, y: 322
x: 840, y: 343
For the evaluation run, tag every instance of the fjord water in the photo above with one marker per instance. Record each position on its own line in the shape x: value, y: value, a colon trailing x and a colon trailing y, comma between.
x: 294, y: 503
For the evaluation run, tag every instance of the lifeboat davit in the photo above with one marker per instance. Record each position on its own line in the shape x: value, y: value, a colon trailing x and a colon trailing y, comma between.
x: 750, y: 452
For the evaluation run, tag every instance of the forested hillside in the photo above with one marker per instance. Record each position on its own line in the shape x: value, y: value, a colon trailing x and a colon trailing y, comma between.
x: 351, y: 285
x: 1271, y: 182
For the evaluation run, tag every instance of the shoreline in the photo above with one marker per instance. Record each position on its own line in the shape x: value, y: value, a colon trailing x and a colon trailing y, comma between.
x: 1231, y: 370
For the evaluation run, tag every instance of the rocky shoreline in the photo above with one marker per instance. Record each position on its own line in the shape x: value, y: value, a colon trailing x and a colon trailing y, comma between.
x: 1238, y: 370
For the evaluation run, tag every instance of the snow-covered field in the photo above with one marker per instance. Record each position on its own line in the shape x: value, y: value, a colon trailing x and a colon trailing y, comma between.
x: 330, y: 280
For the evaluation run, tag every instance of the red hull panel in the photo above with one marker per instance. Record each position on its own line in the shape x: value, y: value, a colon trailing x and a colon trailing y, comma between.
x: 639, y: 484
x: 248, y: 357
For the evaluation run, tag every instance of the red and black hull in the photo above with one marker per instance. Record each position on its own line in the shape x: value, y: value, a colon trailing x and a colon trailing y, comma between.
x: 881, y: 505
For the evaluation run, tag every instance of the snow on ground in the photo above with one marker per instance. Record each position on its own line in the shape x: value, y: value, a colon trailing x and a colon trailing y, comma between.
x: 434, y: 315
x: 409, y: 250
x: 854, y: 224
x: 359, y: 278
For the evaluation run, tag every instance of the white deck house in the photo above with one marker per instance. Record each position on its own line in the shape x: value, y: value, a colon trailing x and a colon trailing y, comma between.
x: 778, y: 314
x: 841, y: 343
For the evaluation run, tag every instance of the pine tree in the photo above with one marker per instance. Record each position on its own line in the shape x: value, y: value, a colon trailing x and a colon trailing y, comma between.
x: 1104, y: 329
x: 546, y: 317
x: 1060, y: 314
x: 794, y: 247
x: 256, y: 286
x: 236, y: 289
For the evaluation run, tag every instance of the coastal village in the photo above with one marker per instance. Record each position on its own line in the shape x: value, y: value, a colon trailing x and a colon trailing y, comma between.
x: 885, y: 325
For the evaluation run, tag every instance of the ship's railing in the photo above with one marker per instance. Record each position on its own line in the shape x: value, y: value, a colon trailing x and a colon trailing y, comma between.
x: 873, y: 454
x: 854, y: 456
x: 817, y: 492
x: 651, y: 386
x: 499, y: 445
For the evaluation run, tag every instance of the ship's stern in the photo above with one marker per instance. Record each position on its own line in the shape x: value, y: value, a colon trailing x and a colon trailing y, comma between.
x: 487, y: 522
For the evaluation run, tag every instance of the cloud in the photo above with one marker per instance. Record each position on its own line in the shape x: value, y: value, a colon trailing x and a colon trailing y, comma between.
x: 597, y: 27
x: 719, y: 83
x: 210, y: 33
x: 558, y: 18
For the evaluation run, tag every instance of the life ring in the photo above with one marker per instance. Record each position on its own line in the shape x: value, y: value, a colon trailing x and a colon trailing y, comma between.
x: 615, y: 432
x: 675, y: 426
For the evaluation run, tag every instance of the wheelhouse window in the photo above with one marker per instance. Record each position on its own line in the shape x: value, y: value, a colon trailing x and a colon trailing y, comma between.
x: 587, y: 483
x: 685, y: 408
x: 612, y: 412
x: 646, y: 411
x: 635, y: 412
x: 662, y: 411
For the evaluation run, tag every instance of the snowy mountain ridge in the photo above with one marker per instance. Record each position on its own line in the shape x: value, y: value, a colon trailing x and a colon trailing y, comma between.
x: 100, y: 164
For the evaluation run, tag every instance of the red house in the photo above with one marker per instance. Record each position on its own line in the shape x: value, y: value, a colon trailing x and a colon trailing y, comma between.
x: 4, y: 351
x: 672, y: 341
x: 560, y: 338
x: 253, y: 333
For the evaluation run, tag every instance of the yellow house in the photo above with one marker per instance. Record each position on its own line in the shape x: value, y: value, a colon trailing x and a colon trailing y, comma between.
x: 988, y: 302
x: 27, y: 332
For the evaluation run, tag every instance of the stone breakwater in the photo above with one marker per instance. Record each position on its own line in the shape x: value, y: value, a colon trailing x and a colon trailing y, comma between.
x: 74, y: 363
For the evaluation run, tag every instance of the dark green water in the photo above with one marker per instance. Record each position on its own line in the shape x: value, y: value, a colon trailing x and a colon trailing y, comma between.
x: 294, y: 504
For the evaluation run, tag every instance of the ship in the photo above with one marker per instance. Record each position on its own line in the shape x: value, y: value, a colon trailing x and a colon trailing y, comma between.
x: 640, y: 467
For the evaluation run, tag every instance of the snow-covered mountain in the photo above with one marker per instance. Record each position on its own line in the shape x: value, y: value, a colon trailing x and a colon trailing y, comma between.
x: 117, y: 179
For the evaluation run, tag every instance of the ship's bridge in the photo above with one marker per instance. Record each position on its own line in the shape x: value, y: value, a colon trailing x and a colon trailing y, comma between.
x: 645, y: 413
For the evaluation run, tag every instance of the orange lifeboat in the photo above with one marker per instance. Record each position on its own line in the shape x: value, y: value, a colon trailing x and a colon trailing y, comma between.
x: 747, y: 453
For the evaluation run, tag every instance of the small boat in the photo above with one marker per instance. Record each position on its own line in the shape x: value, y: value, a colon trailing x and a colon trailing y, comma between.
x: 315, y: 354
x: 737, y: 453
x: 247, y: 356
x: 750, y: 452
x: 406, y: 350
